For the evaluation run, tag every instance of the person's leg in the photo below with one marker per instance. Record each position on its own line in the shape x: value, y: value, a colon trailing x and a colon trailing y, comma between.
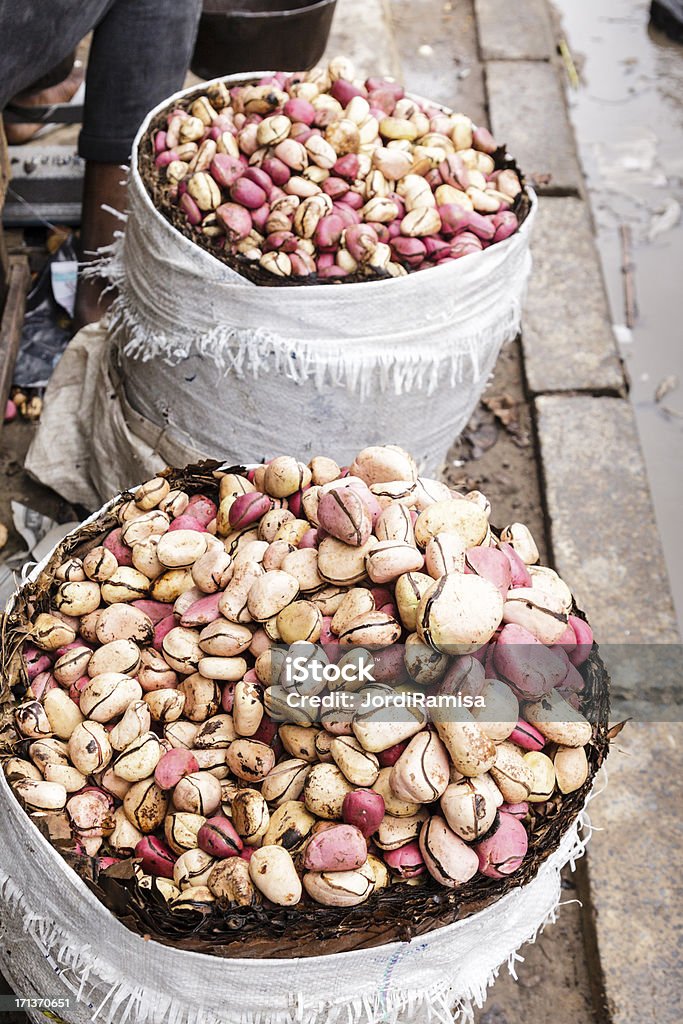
x: 140, y: 52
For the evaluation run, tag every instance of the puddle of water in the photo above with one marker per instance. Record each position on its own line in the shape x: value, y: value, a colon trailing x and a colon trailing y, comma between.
x: 628, y: 118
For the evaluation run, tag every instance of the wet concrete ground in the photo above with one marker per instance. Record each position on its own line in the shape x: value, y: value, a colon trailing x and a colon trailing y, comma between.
x: 627, y: 113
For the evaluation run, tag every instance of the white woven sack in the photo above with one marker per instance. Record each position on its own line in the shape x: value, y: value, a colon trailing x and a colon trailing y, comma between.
x: 59, y: 941
x: 248, y: 371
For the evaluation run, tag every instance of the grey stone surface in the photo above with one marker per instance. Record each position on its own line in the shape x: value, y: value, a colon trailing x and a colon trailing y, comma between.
x: 514, y: 31
x: 360, y: 30
x: 437, y: 49
x: 567, y: 338
x: 635, y: 882
x: 603, y: 533
x: 528, y: 114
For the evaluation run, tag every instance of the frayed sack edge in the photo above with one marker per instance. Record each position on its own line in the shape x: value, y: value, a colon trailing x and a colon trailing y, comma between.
x: 126, y: 1002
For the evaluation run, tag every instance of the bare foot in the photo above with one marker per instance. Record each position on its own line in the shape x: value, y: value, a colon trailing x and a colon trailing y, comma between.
x: 18, y: 134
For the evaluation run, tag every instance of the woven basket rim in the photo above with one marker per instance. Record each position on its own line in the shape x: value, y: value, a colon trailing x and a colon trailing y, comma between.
x: 397, y: 913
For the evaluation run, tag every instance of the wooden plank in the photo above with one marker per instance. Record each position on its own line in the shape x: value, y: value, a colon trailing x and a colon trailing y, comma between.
x: 10, y: 326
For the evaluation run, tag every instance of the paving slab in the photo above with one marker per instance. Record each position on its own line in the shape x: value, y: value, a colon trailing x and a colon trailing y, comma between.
x: 438, y: 52
x: 604, y: 537
x: 528, y: 113
x: 634, y: 878
x: 514, y: 31
x: 567, y: 338
x: 360, y: 30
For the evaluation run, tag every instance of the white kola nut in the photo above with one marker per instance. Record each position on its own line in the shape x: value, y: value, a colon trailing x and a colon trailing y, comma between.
x: 394, y: 832
x: 179, y: 734
x: 571, y: 768
x: 343, y: 136
x: 271, y: 593
x: 202, y: 697
x: 108, y: 695
x: 290, y: 826
x: 390, y: 559
x: 421, y: 773
x: 230, y: 881
x: 394, y: 805
x: 223, y: 669
x: 379, y: 464
x: 166, y: 705
x: 541, y: 613
x: 250, y: 759
x: 48, y: 751
x: 203, y: 109
x: 197, y: 898
x: 270, y: 523
x: 343, y: 565
x: 384, y: 727
x: 395, y: 524
x: 511, y: 774
x: 180, y: 830
x: 247, y: 711
x: 354, y: 602
x: 149, y: 494
x: 181, y: 650
x: 89, y: 748
x: 121, y: 622
x: 299, y: 621
x: 415, y: 191
x: 273, y: 129
x: 181, y: 548
x: 48, y: 632
x: 543, y: 771
x: 233, y: 605
x: 198, y: 793
x: 135, y: 722
x: 545, y: 579
x: 66, y: 776
x: 276, y: 263
x: 420, y: 222
x: 145, y: 559
x: 299, y: 741
x: 462, y: 517
x: 216, y: 733
x: 128, y: 511
x: 306, y: 220
x: 16, y: 768
x: 285, y: 782
x: 357, y: 110
x: 501, y: 712
x: 341, y: 888
x: 519, y: 536
x: 459, y: 613
x: 558, y: 721
x: 121, y: 656
x: 99, y: 564
x: 272, y: 871
x: 139, y: 759
x: 470, y: 806
x: 175, y: 503
x: 445, y: 553
x: 340, y: 67
x: 359, y: 766
x: 380, y: 210
x: 471, y: 750
x: 303, y: 566
x: 192, y: 869
x: 154, y: 522
x: 71, y: 570
x: 250, y: 816
x: 424, y: 665
x: 43, y: 796
x: 63, y: 715
x: 125, y: 836
x: 77, y: 598
x: 324, y: 791
x: 32, y: 721
x: 408, y: 591
x: 126, y: 584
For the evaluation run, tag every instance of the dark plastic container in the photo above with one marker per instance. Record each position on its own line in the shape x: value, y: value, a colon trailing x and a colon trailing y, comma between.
x: 261, y: 35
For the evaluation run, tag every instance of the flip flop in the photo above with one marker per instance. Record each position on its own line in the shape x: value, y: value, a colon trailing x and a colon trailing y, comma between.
x: 54, y: 115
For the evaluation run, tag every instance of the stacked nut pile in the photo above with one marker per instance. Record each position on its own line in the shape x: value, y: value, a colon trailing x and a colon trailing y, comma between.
x: 320, y: 173
x: 159, y: 716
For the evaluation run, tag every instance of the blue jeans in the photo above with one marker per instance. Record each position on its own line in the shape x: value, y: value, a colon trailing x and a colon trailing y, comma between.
x: 140, y: 53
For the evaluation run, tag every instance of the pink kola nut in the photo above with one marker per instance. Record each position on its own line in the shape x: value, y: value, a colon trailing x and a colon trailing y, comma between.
x: 299, y: 110
x: 364, y: 809
x: 520, y: 575
x: 36, y: 661
x: 218, y: 837
x: 248, y: 193
x: 584, y: 640
x: 344, y: 91
x: 202, y: 509
x: 154, y: 610
x: 343, y: 514
x: 42, y: 684
x: 248, y: 509
x: 246, y: 852
x: 166, y: 158
x: 505, y: 223
x: 260, y: 178
x: 383, y: 100
x: 10, y: 411
x: 325, y: 261
x: 389, y: 666
x: 267, y: 732
x: 518, y: 811
x: 331, y: 271
x: 387, y: 758
x: 187, y: 522
x: 522, y: 661
x: 228, y: 697
x: 335, y: 187
x: 174, y: 766
x: 159, y: 142
x: 235, y: 220
x: 376, y: 82
x: 339, y: 848
x: 567, y: 641
x: 328, y: 232
x: 76, y: 689
x: 106, y: 862
x: 156, y: 857
x: 162, y: 629
x: 260, y: 216
x: 407, y: 861
x: 203, y: 611
x: 112, y: 542
x: 346, y: 212
x: 527, y: 736
x: 190, y: 209
x: 504, y: 849
x: 381, y: 596
x: 225, y: 169
x: 347, y: 166
x: 492, y: 565
x: 278, y: 171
